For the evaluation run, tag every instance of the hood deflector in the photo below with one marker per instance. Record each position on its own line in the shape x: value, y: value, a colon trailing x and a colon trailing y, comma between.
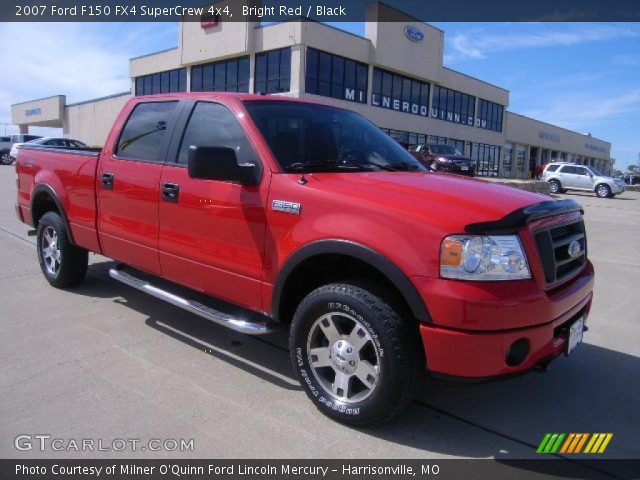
x: 517, y: 219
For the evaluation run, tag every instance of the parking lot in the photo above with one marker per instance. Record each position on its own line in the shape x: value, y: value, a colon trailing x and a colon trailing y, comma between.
x: 104, y: 361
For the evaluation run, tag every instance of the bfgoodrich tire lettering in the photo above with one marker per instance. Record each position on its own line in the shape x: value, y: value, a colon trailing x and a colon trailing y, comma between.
x: 62, y: 263
x: 389, y: 354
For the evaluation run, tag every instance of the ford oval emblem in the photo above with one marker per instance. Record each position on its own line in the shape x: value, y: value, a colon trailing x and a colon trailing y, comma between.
x: 574, y: 249
x: 413, y: 34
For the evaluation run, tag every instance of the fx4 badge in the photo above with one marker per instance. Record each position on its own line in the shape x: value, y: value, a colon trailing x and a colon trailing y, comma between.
x: 286, y: 207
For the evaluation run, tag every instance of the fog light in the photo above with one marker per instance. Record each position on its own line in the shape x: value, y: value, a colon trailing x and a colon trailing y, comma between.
x: 517, y: 352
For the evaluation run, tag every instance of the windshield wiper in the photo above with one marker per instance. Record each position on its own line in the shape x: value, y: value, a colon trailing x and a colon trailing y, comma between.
x: 311, y: 166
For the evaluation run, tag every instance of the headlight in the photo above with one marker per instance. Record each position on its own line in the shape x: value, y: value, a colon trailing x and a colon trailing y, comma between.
x: 444, y: 160
x: 480, y: 257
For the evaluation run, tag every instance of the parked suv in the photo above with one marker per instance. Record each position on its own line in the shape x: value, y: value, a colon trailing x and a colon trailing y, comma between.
x: 5, y: 146
x: 8, y: 157
x: 568, y: 176
x: 445, y: 158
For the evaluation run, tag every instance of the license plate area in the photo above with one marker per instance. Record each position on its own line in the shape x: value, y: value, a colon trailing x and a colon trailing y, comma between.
x: 574, y: 335
x: 464, y: 168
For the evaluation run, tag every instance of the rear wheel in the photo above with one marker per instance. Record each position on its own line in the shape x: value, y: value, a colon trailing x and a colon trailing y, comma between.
x: 356, y: 358
x: 603, y: 191
x: 62, y: 263
x: 6, y: 159
x: 554, y: 186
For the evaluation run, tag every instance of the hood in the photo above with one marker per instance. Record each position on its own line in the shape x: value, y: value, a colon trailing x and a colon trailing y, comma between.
x: 447, y: 201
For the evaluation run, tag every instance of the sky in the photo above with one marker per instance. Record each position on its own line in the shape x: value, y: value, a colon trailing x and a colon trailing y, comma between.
x: 581, y: 76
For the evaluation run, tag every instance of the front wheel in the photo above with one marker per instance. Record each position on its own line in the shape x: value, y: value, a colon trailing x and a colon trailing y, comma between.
x: 603, y: 191
x: 357, y: 359
x: 62, y: 263
x: 6, y: 159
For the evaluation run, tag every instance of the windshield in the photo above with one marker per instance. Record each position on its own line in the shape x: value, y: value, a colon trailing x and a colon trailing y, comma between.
x: 596, y: 172
x: 318, y: 138
x: 444, y: 150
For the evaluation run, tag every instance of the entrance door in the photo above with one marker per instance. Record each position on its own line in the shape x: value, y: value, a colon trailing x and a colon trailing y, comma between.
x: 212, y: 232
x: 128, y: 187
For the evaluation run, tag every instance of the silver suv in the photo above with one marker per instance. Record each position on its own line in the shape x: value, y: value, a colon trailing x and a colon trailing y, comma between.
x: 568, y: 176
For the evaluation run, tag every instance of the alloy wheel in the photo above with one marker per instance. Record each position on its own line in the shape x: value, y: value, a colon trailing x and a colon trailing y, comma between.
x: 343, y: 357
x: 51, y: 250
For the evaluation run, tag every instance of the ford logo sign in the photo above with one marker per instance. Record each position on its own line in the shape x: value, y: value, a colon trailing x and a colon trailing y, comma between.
x: 413, y: 34
x: 574, y: 249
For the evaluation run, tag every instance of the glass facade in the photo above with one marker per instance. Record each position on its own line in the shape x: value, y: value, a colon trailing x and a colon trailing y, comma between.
x: 171, y: 81
x: 400, y: 93
x: 273, y: 71
x: 489, y: 115
x: 487, y: 159
x: 335, y: 76
x: 223, y: 76
x: 453, y: 106
x: 406, y: 138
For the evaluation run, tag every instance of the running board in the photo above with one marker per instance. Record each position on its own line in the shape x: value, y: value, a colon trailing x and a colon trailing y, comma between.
x: 242, y: 326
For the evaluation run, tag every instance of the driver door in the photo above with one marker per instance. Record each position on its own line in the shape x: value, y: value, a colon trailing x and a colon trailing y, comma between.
x: 212, y: 232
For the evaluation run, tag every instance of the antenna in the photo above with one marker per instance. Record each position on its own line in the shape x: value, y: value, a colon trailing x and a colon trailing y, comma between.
x: 302, y: 180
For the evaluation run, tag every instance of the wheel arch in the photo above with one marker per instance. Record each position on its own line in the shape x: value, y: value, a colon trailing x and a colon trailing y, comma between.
x: 45, y: 199
x: 285, y: 300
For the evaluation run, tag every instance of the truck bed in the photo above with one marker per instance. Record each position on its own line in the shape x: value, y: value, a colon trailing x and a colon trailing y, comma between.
x: 67, y: 174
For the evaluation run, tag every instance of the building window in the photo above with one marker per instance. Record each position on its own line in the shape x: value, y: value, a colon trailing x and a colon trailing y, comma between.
x: 273, y: 71
x: 406, y: 139
x: 223, y: 76
x: 335, y: 76
x: 487, y: 159
x: 171, y: 81
x: 457, y: 144
x: 489, y: 115
x: 453, y: 106
x: 400, y: 93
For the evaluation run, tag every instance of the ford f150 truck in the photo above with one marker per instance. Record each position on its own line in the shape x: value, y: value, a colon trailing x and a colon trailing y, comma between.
x: 308, y: 217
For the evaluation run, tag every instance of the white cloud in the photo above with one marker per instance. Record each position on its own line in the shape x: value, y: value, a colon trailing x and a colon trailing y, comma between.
x: 479, y: 43
x: 579, y: 112
x: 80, y: 60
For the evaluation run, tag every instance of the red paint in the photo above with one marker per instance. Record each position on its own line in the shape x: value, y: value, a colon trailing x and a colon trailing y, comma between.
x: 225, y: 240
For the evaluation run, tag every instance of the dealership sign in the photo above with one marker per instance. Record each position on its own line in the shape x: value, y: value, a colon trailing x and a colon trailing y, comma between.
x: 32, y: 112
x: 589, y: 146
x: 413, y: 34
x: 457, y: 118
x: 354, y: 95
x: 398, y: 105
x: 549, y: 136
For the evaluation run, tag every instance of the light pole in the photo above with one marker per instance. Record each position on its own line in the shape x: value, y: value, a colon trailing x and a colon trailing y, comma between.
x: 5, y: 126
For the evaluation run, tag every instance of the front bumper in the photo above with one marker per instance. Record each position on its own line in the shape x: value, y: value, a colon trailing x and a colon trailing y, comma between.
x: 475, y: 351
x: 617, y: 189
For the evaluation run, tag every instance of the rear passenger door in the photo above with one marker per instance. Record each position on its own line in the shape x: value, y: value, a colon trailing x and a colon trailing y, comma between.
x: 568, y: 176
x: 128, y: 185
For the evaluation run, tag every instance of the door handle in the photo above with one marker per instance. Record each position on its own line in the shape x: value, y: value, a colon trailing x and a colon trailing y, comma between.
x: 107, y: 180
x: 170, y: 192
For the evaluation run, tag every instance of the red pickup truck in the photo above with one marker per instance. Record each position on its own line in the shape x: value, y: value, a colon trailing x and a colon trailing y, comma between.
x: 308, y: 217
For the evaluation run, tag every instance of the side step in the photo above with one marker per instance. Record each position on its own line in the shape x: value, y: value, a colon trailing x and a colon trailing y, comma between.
x: 242, y: 326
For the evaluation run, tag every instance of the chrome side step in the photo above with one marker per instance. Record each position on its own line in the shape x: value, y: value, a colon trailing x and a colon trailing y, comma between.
x: 242, y: 326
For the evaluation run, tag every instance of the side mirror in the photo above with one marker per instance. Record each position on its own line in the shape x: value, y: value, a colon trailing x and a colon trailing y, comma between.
x: 220, y: 163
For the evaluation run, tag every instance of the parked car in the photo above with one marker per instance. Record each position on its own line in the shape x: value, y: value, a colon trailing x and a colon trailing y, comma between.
x: 631, y: 179
x: 5, y: 147
x: 443, y: 158
x: 307, y: 217
x: 568, y: 176
x: 6, y: 158
x: 49, y: 142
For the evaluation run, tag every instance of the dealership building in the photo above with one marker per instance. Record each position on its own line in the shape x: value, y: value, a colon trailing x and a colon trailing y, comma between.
x: 393, y: 75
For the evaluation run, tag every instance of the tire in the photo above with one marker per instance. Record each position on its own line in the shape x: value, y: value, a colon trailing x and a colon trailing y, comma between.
x: 62, y: 264
x: 433, y: 166
x: 554, y: 186
x: 603, y: 191
x: 370, y: 342
x: 6, y: 159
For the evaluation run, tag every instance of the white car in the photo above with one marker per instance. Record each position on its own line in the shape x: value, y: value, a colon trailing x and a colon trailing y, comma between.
x: 569, y: 176
x: 51, y: 142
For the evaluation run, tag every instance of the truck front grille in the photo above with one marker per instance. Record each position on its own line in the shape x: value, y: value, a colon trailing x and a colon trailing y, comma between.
x: 554, y: 249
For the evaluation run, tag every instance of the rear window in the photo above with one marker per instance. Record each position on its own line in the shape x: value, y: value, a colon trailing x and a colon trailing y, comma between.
x: 552, y: 168
x: 142, y: 135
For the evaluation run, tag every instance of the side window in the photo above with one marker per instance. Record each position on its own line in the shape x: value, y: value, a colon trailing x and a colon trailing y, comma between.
x: 144, y: 131
x: 568, y: 169
x: 213, y: 125
x: 581, y: 171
